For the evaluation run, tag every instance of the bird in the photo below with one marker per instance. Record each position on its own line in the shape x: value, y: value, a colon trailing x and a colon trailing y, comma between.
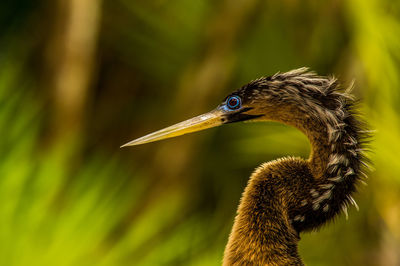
x: 291, y: 195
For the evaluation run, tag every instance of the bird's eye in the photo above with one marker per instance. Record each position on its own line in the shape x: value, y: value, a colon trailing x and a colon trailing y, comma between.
x: 233, y: 102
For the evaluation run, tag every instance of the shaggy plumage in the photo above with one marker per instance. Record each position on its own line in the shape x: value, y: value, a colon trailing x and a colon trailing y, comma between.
x: 291, y: 195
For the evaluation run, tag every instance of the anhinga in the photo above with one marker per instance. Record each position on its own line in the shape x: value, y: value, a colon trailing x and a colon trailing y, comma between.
x: 289, y: 195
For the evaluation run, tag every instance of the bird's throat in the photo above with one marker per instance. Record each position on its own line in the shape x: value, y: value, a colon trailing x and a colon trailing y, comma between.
x: 320, y: 148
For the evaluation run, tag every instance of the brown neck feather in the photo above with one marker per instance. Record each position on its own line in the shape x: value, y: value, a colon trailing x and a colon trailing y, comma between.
x: 290, y: 195
x: 262, y: 233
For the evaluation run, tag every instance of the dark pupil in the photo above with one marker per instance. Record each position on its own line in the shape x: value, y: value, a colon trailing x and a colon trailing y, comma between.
x: 233, y: 102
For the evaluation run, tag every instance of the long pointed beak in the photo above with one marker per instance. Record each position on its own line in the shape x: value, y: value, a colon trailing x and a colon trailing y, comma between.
x: 201, y: 122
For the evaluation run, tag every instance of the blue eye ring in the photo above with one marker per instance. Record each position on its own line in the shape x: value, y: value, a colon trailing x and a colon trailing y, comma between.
x: 234, y: 102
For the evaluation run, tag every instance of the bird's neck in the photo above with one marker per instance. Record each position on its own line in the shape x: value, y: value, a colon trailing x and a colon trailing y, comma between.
x: 316, y: 131
x: 290, y: 195
x: 262, y: 233
x: 324, y: 189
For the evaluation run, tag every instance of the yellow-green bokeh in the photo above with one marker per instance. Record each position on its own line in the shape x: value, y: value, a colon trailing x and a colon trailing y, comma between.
x: 80, y: 78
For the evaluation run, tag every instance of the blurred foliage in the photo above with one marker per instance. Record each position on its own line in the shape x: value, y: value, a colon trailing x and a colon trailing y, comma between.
x: 70, y: 196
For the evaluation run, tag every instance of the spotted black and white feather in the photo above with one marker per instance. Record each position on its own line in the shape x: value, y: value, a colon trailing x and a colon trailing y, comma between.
x: 343, y: 139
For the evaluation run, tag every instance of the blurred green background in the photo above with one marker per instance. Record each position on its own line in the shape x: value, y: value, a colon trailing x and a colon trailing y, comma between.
x: 78, y: 78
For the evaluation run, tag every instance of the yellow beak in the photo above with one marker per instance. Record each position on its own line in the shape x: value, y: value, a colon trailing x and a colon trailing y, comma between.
x: 201, y: 122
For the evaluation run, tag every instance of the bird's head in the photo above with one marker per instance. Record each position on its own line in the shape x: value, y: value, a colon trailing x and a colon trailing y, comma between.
x: 262, y: 99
